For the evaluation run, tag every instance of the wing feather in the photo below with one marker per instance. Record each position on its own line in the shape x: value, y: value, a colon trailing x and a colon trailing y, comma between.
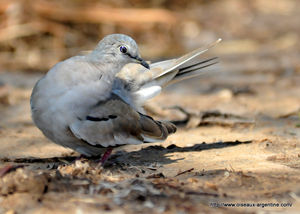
x: 115, y: 123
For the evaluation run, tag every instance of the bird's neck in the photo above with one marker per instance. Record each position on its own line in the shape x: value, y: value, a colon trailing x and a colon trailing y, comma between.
x: 106, y: 62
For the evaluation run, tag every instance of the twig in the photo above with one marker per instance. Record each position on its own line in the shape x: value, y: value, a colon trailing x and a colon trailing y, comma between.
x: 180, y: 173
x: 158, y: 175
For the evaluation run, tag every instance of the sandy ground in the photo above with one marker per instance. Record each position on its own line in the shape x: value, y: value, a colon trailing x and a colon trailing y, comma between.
x: 238, y: 142
x: 237, y: 148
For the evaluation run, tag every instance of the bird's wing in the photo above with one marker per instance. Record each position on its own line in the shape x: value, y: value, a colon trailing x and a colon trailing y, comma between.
x: 186, y: 62
x: 148, y: 83
x: 113, y: 122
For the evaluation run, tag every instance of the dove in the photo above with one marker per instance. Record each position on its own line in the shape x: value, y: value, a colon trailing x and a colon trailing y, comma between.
x: 94, y: 102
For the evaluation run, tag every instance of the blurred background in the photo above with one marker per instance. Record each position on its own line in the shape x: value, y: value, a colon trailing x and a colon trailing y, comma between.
x: 264, y: 34
x: 243, y: 117
x: 259, y: 53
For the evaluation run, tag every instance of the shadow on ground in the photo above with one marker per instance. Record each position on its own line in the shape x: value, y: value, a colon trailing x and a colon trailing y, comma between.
x: 141, y: 157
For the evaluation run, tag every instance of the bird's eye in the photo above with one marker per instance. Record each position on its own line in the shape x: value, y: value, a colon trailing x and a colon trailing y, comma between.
x: 123, y: 49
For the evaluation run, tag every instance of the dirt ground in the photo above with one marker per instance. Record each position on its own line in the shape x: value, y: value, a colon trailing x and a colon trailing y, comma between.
x: 237, y: 147
x: 238, y: 142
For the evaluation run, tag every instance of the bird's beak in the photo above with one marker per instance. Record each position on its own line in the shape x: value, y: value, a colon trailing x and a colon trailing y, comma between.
x: 142, y: 62
x: 139, y: 60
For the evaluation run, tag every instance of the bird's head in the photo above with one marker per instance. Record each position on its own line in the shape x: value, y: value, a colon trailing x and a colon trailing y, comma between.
x: 119, y: 48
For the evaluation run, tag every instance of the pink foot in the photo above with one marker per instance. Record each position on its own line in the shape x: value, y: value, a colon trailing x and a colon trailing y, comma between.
x: 5, y: 170
x: 8, y: 168
x: 105, y: 156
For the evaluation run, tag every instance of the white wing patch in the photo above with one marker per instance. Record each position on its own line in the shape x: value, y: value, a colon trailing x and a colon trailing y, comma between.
x: 147, y: 93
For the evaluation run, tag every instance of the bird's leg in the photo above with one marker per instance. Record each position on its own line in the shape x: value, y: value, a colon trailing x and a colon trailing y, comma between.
x: 105, y: 156
x: 5, y: 170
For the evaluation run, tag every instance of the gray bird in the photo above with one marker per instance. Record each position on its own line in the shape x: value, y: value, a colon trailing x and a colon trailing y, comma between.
x: 92, y: 102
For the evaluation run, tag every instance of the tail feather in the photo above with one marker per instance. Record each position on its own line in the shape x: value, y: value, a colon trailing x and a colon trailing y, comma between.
x: 149, y: 82
x: 175, y: 64
x: 184, y: 69
x: 193, y: 71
